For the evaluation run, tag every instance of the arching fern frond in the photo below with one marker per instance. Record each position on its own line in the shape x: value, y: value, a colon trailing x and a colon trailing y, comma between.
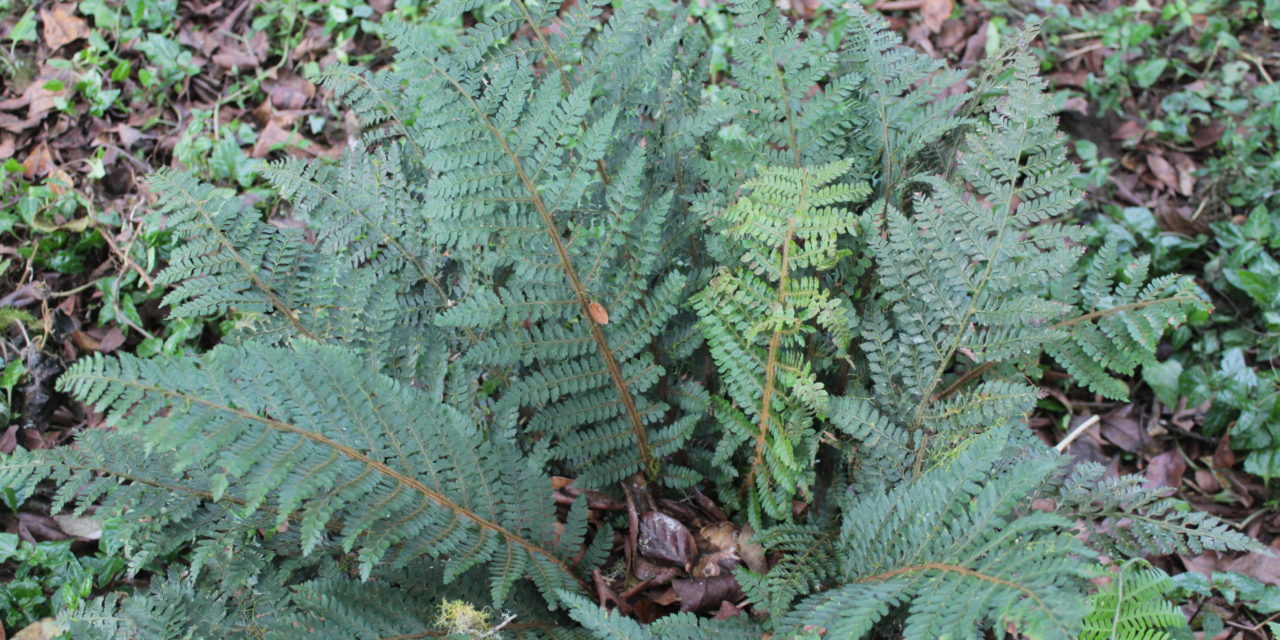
x: 312, y: 430
x: 1127, y: 519
x: 959, y: 550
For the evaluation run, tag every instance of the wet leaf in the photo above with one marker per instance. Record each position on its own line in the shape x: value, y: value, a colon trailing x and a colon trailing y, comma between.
x: 706, y: 594
x: 665, y: 538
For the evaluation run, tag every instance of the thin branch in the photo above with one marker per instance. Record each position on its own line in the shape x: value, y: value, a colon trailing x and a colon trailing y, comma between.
x: 1075, y: 433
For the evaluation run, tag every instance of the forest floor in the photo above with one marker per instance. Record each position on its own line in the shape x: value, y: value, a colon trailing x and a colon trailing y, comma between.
x: 1171, y: 107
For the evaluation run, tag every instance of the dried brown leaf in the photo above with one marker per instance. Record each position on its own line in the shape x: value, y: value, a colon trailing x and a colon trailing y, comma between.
x: 934, y: 12
x: 1163, y: 171
x: 1122, y: 430
x: 43, y: 629
x: 9, y: 439
x: 1129, y: 131
x: 289, y: 91
x: 273, y: 134
x: 706, y: 594
x: 39, y: 162
x: 1223, y: 456
x: 714, y: 564
x: 1260, y: 567
x: 37, y: 528
x: 1186, y: 168
x: 1208, y: 135
x: 83, y: 528
x: 61, y: 27
x: 1166, y: 469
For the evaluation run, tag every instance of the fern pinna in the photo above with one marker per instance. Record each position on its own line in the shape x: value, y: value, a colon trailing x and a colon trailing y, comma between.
x: 815, y: 291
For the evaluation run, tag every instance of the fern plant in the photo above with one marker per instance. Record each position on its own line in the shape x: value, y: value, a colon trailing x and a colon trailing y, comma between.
x: 816, y: 291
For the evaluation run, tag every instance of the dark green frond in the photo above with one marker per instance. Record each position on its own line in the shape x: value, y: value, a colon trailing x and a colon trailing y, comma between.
x: 312, y: 431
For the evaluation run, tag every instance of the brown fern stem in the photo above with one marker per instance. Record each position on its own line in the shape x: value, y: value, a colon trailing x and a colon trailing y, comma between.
x: 953, y: 568
x: 566, y: 263
x: 771, y: 364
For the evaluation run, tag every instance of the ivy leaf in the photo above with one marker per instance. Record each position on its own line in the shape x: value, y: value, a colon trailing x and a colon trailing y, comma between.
x: 1163, y: 379
x: 1148, y: 71
x: 11, y: 374
x: 1263, y: 288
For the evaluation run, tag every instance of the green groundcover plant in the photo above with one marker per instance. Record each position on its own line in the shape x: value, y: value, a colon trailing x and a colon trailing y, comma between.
x: 556, y: 251
x: 1187, y: 72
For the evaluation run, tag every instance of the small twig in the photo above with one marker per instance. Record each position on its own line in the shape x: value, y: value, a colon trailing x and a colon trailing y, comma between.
x: 498, y: 627
x: 1257, y: 62
x: 898, y: 5
x: 1083, y: 35
x: 1075, y: 433
x: 23, y: 329
x: 1081, y: 51
x: 124, y: 256
x: 1199, y: 209
x: 71, y: 292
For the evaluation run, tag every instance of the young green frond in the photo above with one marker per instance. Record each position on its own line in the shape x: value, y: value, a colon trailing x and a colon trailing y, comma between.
x: 758, y: 319
x: 1131, y: 606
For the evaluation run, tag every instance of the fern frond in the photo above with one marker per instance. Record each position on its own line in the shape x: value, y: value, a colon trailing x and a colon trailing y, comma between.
x: 954, y: 548
x: 312, y: 429
x: 606, y: 625
x: 757, y: 319
x: 807, y: 562
x: 1127, y: 519
x: 1123, y: 319
x: 1132, y: 607
x: 505, y: 193
x: 231, y: 260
